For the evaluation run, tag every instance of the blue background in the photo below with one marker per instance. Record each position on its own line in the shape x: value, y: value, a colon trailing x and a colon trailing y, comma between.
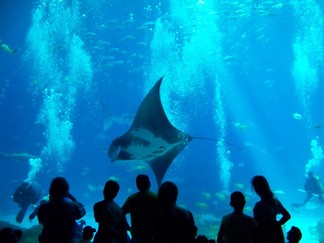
x: 235, y: 71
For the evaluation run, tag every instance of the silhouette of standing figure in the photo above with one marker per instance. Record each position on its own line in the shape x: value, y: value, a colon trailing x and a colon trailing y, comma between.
x: 58, y: 216
x: 265, y: 211
x: 236, y: 227
x: 110, y: 217
x: 142, y: 206
x: 172, y: 224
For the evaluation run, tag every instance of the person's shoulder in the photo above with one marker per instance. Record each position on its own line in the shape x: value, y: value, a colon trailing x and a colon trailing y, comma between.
x: 111, y: 205
x: 114, y: 208
x: 248, y: 217
x: 44, y: 206
x: 98, y: 204
x: 277, y: 201
x: 258, y: 204
x: 41, y: 208
x: 183, y: 211
x: 141, y: 196
x: 250, y: 221
x: 227, y: 217
x: 151, y: 194
x: 279, y: 205
x: 133, y: 196
x: 76, y: 205
x: 148, y: 197
x: 235, y: 216
x: 46, y: 209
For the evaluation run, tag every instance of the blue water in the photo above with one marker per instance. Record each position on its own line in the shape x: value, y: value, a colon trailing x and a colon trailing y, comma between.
x: 248, y: 73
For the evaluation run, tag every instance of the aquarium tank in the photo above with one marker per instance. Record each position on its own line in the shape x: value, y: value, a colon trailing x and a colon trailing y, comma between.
x: 242, y: 95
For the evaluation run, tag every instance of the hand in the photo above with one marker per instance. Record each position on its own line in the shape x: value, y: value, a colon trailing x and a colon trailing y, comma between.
x: 71, y: 197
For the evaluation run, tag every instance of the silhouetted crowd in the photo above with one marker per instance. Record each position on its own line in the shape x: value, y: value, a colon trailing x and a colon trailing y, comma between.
x: 155, y: 217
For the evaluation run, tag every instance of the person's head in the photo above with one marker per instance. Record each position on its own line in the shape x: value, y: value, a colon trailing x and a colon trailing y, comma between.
x: 143, y: 182
x: 294, y: 235
x: 201, y: 239
x: 167, y: 194
x: 10, y: 235
x: 310, y: 174
x: 111, y: 190
x: 237, y: 200
x: 59, y: 188
x: 87, y: 232
x: 261, y: 187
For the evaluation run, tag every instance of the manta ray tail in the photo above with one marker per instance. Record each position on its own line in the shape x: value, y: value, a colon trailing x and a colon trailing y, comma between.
x: 217, y: 140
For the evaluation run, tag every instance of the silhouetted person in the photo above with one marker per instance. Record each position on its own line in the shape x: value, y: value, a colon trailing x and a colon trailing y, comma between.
x: 172, y: 224
x: 265, y: 212
x: 142, y: 206
x: 25, y: 195
x: 294, y: 235
x: 237, y: 227
x: 110, y: 217
x: 58, y: 216
x: 9, y: 235
x: 87, y: 234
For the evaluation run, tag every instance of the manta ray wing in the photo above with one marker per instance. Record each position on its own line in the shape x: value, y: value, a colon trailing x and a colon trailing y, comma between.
x: 151, y: 138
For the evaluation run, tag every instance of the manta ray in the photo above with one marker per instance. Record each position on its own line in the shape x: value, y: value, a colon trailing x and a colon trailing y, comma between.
x: 151, y: 137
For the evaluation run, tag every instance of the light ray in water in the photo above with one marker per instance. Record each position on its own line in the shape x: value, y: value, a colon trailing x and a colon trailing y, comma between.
x: 308, y: 52
x: 188, y: 32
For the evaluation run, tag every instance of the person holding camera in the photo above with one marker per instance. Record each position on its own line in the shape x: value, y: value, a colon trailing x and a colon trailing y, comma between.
x: 58, y: 216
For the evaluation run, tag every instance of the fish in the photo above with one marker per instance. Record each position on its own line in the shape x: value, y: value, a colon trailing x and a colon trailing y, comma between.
x: 297, y: 116
x: 202, y: 205
x: 127, y: 38
x: 317, y: 126
x: 206, y: 195
x: 17, y: 156
x: 240, y: 126
x: 7, y: 49
x: 151, y: 138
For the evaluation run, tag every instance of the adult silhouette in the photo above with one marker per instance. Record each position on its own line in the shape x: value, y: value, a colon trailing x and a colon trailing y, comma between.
x: 58, y: 216
x: 265, y: 212
x: 142, y: 206
x: 172, y: 224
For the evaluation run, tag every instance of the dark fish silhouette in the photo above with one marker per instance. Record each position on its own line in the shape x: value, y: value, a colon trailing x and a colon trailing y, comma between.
x: 151, y: 137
